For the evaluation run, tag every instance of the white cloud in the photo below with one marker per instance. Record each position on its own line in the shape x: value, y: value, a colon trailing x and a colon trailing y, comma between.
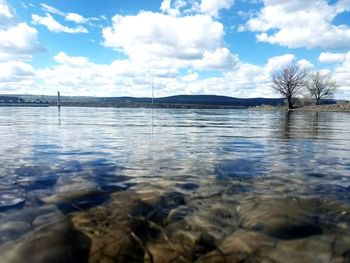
x: 212, y: 7
x: 173, y: 9
x: 341, y: 76
x: 70, y: 16
x: 54, y: 26
x: 165, y: 5
x: 19, y: 41
x: 75, y: 18
x: 7, y: 14
x: 51, y: 9
x: 279, y: 62
x: 301, y: 23
x: 343, y: 6
x: 79, y: 76
x: 15, y: 71
x: 16, y: 77
x: 305, y: 64
x: 328, y: 57
x: 165, y: 41
x: 220, y: 59
x: 63, y: 58
x: 208, y: 7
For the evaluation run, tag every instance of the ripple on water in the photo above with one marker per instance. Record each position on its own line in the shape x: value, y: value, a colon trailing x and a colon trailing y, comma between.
x: 12, y: 198
x: 239, y: 168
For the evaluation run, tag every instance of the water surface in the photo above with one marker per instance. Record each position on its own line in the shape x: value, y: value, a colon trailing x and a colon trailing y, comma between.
x: 136, y: 185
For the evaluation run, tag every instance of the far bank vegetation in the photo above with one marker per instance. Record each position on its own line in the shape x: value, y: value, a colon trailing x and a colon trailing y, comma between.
x: 293, y: 83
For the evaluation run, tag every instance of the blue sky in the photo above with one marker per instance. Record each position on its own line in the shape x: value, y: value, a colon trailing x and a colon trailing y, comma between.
x: 225, y: 47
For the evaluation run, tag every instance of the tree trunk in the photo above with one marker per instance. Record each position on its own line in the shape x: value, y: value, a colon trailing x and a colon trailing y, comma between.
x: 318, y: 101
x: 290, y: 103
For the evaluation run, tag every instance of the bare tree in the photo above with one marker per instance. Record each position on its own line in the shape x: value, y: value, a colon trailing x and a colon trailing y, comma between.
x: 321, y: 86
x: 289, y: 82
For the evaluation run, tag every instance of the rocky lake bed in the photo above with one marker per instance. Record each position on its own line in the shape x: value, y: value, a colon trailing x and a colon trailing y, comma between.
x: 140, y: 224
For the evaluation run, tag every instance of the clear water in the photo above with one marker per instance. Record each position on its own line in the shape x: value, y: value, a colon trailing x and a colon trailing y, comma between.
x: 256, y: 166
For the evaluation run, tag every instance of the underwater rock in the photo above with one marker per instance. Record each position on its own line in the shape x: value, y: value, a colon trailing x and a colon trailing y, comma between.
x: 213, y: 217
x: 314, y: 249
x: 335, y: 217
x: 241, y: 246
x: 120, y: 228
x: 283, y: 218
x: 165, y: 253
x: 109, y: 229
x: 76, y: 190
x: 117, y: 246
x: 177, y: 214
x: 12, y: 230
x: 36, y: 240
x: 165, y: 204
x: 341, y: 248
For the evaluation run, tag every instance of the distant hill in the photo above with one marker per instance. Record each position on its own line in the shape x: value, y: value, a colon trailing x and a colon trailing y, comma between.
x: 179, y: 101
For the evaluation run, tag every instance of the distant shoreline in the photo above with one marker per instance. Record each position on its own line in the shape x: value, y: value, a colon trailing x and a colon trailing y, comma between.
x: 172, y: 102
x: 339, y: 107
x: 28, y: 104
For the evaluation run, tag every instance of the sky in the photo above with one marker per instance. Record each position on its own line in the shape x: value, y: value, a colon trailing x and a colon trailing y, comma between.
x: 119, y: 48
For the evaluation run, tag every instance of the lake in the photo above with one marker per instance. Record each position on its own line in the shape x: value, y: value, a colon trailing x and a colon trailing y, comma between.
x: 166, y: 185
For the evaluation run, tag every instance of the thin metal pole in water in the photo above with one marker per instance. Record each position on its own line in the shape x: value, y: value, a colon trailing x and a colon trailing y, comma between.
x: 152, y: 88
x: 58, y: 99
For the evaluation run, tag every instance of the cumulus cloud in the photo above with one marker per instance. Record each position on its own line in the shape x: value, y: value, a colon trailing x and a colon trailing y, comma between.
x: 79, y: 76
x: 16, y: 77
x: 54, y: 26
x: 161, y: 40
x: 15, y: 71
x: 341, y: 76
x: 301, y: 23
x: 173, y: 7
x: 278, y: 62
x: 305, y: 64
x: 328, y: 57
x: 18, y: 41
x: 63, y: 58
x: 208, y: 7
x: 220, y: 59
x: 212, y: 7
x: 7, y: 14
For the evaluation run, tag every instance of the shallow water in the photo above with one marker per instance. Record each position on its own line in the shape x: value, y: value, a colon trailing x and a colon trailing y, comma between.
x: 136, y: 185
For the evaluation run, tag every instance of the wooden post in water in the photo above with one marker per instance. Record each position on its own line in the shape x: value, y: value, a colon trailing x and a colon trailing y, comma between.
x: 58, y: 99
